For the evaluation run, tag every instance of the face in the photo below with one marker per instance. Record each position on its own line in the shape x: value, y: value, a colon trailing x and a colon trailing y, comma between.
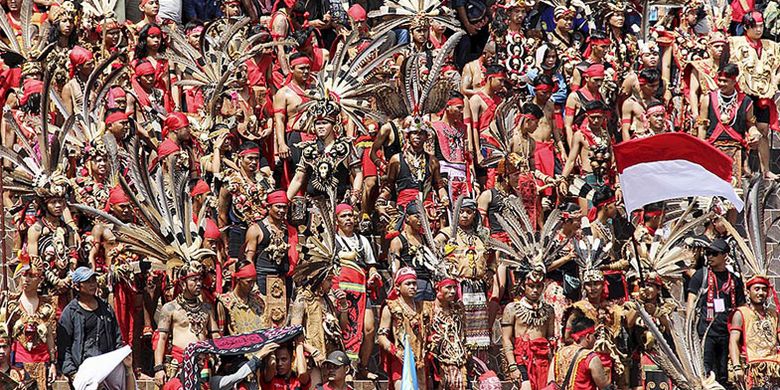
x: 596, y: 119
x: 418, y: 138
x: 593, y: 290
x: 611, y: 210
x: 530, y: 125
x: 726, y: 84
x: 246, y: 284
x: 30, y: 280
x: 99, y: 165
x: 755, y: 32
x: 278, y: 211
x: 335, y: 373
x: 250, y: 161
x: 184, y: 134
x: 193, y: 285
x: 283, y: 361
x: 716, y: 49
x: 650, y: 60
x: 565, y: 23
x: 112, y: 37
x: 420, y: 35
x: 55, y: 206
x: 496, y: 83
x: 301, y: 71
x: 599, y: 50
x: 466, y: 218
x: 594, y: 83
x: 516, y: 15
x: 758, y: 293
x: 455, y: 112
x: 123, y: 211
x: 408, y: 288
x: 617, y: 20
x: 657, y: 120
x: 231, y: 10
x: 716, y: 259
x: 193, y: 38
x: 5, y: 351
x: 346, y: 221
x: 119, y: 129
x: 13, y: 5
x: 413, y: 221
x: 151, y: 8
x: 146, y: 81
x: 533, y: 290
x: 550, y: 58
x: 65, y: 26
x: 153, y: 42
x: 691, y: 17
x: 649, y: 292
x: 449, y: 293
x: 88, y: 287
x: 323, y: 128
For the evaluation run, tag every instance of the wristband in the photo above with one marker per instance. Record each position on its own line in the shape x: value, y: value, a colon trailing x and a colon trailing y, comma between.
x: 158, y: 368
x: 523, y: 372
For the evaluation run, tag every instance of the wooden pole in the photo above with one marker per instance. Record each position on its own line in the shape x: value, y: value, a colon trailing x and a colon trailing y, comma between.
x: 4, y: 249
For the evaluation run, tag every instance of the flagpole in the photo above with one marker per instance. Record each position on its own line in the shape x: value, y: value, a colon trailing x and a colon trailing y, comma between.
x: 4, y: 249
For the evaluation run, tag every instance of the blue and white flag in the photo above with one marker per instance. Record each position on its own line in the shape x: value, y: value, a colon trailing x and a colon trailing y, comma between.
x: 409, y: 376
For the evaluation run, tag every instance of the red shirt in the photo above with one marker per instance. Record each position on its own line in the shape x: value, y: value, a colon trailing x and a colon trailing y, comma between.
x: 280, y: 383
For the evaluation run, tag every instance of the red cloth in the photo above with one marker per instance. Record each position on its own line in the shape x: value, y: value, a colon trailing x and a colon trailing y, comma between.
x: 544, y: 158
x: 278, y: 383
x: 167, y: 148
x: 582, y: 378
x: 116, y: 195
x: 535, y: 355
x: 484, y: 120
x: 124, y: 299
x: 212, y: 230
x: 39, y: 354
x: 357, y: 13
x: 277, y: 197
x: 115, y: 117
x: 78, y: 56
x: 343, y: 207
x: 174, y: 121
x: 30, y: 87
x: 353, y: 333
x: 737, y: 12
x: 406, y: 196
x: 194, y: 98
x: 174, y: 383
x: 292, y: 252
x: 201, y: 187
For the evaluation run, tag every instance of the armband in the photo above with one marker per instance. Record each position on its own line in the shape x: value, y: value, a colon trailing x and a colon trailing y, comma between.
x: 523, y: 372
x: 159, y: 367
x: 569, y: 111
x: 626, y: 121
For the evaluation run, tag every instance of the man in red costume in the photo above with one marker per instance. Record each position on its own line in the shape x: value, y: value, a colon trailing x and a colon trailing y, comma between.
x: 576, y: 366
x: 482, y: 106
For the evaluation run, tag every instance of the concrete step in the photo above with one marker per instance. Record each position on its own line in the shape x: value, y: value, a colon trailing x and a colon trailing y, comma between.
x: 358, y: 385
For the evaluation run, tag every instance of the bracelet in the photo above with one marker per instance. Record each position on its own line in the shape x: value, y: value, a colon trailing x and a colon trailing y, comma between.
x: 158, y: 368
x: 513, y: 367
x: 315, y: 353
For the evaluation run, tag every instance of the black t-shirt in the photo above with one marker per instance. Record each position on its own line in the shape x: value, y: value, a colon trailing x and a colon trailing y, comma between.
x: 698, y: 284
x: 91, y: 347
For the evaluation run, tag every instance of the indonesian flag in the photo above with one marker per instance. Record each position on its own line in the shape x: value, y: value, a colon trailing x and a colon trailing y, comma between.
x: 672, y: 165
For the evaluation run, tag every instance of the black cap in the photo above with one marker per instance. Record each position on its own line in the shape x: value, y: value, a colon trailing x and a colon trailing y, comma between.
x: 338, y: 358
x: 719, y: 245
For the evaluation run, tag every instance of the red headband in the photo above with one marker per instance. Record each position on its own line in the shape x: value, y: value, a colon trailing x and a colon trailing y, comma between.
x: 544, y: 88
x: 78, y: 56
x: 643, y: 80
x: 343, y: 207
x: 174, y: 121
x: 726, y: 76
x: 757, y: 17
x: 757, y: 280
x: 144, y: 68
x: 601, y: 41
x: 201, y: 187
x: 403, y: 275
x: 245, y: 272
x: 301, y: 61
x: 154, y: 31
x: 195, y: 30
x: 115, y: 117
x: 455, y: 102
x: 116, y: 196
x: 595, y: 70
x: 656, y: 110
x: 653, y: 213
x: 357, y: 13
x: 277, y: 197
x: 583, y: 333
x: 249, y: 151
x: 446, y: 282
x: 496, y: 74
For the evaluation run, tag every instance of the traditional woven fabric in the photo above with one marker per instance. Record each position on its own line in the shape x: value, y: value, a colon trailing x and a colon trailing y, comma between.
x: 233, y: 345
x: 476, y: 315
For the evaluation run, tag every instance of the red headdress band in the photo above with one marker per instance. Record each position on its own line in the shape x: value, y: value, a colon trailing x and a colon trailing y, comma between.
x: 154, y: 30
x: 277, y: 197
x: 343, y: 207
x: 301, y: 61
x: 446, y: 282
x: 201, y: 187
x: 212, y: 230
x: 249, y: 151
x: 583, y: 333
x: 115, y: 117
x: 659, y: 109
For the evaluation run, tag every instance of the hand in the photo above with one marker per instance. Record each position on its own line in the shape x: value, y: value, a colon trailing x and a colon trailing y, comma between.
x: 382, y: 210
x: 400, y: 354
x: 220, y: 140
x: 52, y: 374
x: 340, y: 294
x: 515, y: 375
x: 266, y: 350
x: 283, y: 152
x: 470, y: 28
x: 563, y: 187
x: 754, y: 137
x: 128, y: 361
x: 319, y: 359
x: 159, y: 378
x: 739, y: 376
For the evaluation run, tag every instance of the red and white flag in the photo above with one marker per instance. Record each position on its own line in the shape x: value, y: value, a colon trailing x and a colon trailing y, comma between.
x: 672, y: 165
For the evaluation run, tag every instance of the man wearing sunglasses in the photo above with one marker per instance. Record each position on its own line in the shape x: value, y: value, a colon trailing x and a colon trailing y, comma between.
x: 715, y: 292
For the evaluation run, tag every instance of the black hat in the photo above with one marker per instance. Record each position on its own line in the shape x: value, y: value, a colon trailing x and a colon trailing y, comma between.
x: 338, y: 358
x: 719, y: 245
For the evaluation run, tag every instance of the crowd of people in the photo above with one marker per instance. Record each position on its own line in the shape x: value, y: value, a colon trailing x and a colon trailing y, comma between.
x: 297, y: 194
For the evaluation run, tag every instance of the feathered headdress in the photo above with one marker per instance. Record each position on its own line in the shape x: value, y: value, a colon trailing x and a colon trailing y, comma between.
x: 212, y: 66
x: 684, y: 364
x: 416, y: 95
x: 529, y: 251
x: 500, y: 130
x: 343, y: 87
x: 318, y: 251
x: 591, y: 253
x: 168, y: 231
x: 37, y: 168
x: 413, y: 14
x: 756, y: 262
x: 29, y: 46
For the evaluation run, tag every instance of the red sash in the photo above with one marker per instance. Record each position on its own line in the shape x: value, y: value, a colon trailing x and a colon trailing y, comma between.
x: 492, y: 103
x: 721, y: 127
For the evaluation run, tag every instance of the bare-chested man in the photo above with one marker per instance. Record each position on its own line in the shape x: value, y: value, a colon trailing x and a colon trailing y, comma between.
x: 479, y: 113
x: 287, y: 130
x: 186, y: 319
x: 575, y: 104
x: 634, y: 111
x: 527, y: 327
x: 474, y: 72
x: 81, y: 66
x: 549, y: 143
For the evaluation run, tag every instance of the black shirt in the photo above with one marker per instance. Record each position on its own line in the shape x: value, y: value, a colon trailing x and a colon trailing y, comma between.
x: 698, y: 284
